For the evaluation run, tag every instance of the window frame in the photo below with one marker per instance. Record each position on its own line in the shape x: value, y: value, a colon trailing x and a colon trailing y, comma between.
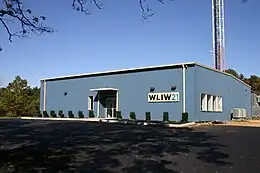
x: 90, y: 103
x: 203, y: 100
x: 220, y: 104
x: 211, y: 103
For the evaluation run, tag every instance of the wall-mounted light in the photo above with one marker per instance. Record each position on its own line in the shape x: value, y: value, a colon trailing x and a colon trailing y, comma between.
x: 152, y: 89
x: 173, y: 87
x: 65, y: 93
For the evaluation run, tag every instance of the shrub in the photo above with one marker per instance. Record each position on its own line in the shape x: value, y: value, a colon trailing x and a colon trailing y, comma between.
x: 165, y: 116
x: 148, y: 116
x: 91, y: 114
x: 52, y: 113
x: 132, y: 116
x: 70, y: 114
x: 61, y: 114
x: 80, y: 114
x: 38, y: 113
x: 45, y: 114
x: 118, y: 115
x: 184, y: 117
x: 255, y: 117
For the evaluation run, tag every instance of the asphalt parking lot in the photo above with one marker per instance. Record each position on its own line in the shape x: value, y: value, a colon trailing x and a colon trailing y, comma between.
x: 51, y: 146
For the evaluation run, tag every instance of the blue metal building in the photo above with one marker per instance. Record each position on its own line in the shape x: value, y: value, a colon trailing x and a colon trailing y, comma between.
x: 203, y: 92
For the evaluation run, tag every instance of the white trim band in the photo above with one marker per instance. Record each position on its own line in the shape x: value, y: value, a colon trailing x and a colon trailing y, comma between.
x: 183, y: 88
x: 104, y: 89
x: 44, y: 96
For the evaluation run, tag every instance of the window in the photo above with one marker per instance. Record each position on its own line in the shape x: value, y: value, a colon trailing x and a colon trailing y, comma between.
x: 211, y: 103
x: 219, y: 104
x: 215, y: 103
x: 203, y: 102
x: 90, y: 103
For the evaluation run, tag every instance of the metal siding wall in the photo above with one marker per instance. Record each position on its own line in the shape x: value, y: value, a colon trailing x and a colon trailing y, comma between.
x: 41, y: 96
x: 255, y: 105
x: 233, y: 92
x: 190, y: 93
x: 133, y: 90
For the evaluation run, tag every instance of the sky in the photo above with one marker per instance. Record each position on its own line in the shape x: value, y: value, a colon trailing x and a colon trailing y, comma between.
x: 117, y: 38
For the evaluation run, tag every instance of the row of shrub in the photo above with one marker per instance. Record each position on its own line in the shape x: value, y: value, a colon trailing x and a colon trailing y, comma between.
x: 70, y: 114
x: 256, y: 117
x: 132, y: 115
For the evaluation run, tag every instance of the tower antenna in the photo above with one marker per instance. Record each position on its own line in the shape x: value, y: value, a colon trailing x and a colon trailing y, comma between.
x: 218, y: 34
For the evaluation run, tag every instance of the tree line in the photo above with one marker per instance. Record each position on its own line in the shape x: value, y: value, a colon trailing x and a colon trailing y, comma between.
x: 252, y: 80
x: 18, y: 99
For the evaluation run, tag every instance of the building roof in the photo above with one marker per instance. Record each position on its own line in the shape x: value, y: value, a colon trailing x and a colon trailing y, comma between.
x: 140, y: 69
x: 122, y: 71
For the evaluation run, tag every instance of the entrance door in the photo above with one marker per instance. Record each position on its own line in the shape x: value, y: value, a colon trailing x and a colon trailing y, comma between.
x: 111, y: 107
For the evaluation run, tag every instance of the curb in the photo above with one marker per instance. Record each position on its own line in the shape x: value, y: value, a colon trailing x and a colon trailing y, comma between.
x: 63, y: 119
x: 181, y: 125
x: 103, y: 120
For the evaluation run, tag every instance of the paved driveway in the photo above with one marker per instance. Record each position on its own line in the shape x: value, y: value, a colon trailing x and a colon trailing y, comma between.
x: 48, y: 146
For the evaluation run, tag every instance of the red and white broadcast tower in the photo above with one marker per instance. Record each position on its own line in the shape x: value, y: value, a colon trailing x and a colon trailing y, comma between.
x: 218, y: 34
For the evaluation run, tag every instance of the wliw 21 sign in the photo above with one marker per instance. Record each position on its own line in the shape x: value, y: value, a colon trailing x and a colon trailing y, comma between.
x: 164, y: 97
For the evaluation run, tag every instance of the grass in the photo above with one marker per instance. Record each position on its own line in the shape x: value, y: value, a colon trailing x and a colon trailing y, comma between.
x: 8, y: 117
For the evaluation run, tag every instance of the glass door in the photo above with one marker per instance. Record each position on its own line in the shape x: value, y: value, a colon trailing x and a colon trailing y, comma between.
x: 111, y: 107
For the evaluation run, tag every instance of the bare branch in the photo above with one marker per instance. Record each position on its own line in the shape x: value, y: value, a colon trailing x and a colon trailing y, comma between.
x: 141, y: 4
x: 161, y: 1
x: 146, y: 11
x: 80, y: 5
x: 97, y: 4
x: 7, y: 30
x: 13, y: 11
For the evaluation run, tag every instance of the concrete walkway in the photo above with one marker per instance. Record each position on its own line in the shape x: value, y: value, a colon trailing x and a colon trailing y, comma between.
x: 65, y: 119
x: 106, y: 120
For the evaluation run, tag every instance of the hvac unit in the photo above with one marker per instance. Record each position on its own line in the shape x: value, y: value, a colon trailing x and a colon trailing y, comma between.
x: 243, y: 113
x: 239, y: 113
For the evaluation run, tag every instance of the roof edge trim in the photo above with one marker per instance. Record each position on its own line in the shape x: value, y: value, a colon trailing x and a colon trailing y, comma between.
x: 117, y: 71
x: 198, y: 64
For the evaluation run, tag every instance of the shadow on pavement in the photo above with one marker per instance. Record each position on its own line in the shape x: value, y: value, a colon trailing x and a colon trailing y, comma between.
x: 41, y: 146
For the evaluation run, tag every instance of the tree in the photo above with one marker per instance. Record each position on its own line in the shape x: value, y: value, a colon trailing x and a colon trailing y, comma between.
x: 33, y: 101
x: 1, y: 95
x: 18, y: 99
x: 233, y: 72
x: 241, y: 77
x: 253, y: 80
x: 1, y: 91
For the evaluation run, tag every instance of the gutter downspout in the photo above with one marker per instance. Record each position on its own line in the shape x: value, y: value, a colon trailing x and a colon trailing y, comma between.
x: 44, y: 95
x: 117, y: 101
x: 98, y: 104
x: 183, y: 88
